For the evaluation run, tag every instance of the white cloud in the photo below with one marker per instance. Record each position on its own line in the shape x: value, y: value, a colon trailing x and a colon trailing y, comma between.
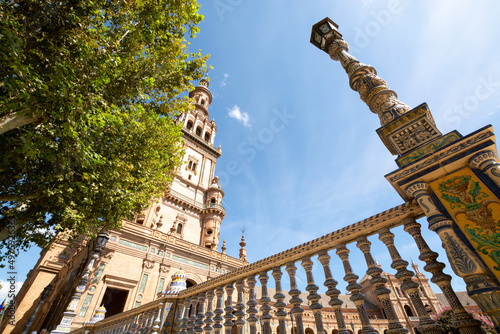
x: 242, y: 117
x: 224, y: 81
x: 5, y: 290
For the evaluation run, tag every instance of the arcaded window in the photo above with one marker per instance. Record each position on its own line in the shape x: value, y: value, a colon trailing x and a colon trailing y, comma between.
x: 189, y: 125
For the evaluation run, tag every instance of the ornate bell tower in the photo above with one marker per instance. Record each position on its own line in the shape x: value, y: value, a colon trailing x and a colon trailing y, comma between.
x: 192, y: 207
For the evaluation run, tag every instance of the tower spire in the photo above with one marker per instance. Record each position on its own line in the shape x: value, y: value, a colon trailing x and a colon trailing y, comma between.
x: 243, y: 251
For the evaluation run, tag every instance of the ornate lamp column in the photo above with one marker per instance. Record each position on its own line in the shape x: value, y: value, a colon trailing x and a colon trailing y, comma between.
x: 333, y: 292
x: 70, y: 313
x: 378, y: 281
x: 354, y: 287
x: 426, y: 324
x: 463, y: 320
x: 464, y: 262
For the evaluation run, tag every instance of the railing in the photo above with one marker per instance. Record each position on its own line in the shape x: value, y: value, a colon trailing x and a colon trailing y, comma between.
x: 196, y: 312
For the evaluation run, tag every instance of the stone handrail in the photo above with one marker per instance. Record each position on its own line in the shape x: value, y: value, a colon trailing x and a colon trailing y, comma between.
x: 390, y: 218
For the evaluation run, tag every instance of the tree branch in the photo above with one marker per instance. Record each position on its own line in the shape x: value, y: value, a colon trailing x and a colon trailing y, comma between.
x: 15, y: 120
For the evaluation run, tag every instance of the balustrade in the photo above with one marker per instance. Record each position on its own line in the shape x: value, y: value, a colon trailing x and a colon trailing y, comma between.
x: 195, y: 312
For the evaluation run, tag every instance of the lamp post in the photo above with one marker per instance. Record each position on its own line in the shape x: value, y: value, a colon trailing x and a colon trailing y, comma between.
x: 69, y: 314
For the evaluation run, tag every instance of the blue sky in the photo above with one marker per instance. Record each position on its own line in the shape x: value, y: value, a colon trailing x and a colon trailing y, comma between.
x: 300, y: 154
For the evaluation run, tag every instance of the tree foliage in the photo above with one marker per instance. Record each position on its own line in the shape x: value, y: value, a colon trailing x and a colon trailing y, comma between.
x: 89, y: 90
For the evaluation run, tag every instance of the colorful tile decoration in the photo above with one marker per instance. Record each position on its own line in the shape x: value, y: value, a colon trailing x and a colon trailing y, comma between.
x: 191, y: 262
x: 98, y: 273
x: 143, y: 283
x: 160, y: 285
x: 133, y: 245
x: 85, y: 306
x: 476, y: 210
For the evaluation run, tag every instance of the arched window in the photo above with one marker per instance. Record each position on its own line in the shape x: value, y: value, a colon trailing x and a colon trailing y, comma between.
x: 212, y: 200
x: 198, y: 131
x: 408, y: 311
x: 189, y: 125
x: 207, y: 136
x: 179, y: 228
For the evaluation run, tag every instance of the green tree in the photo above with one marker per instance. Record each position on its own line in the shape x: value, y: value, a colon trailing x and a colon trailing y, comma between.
x: 89, y: 90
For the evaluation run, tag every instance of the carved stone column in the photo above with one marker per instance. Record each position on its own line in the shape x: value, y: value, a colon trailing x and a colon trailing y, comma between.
x: 178, y: 316
x: 313, y: 297
x: 464, y: 262
x: 202, y: 296
x: 357, y: 298
x: 463, y: 320
x: 209, y: 314
x: 157, y: 321
x: 185, y: 319
x: 240, y: 307
x: 487, y: 162
x: 378, y: 281
x: 264, y: 300
x: 219, y: 310
x: 295, y: 301
x: 426, y: 324
x: 192, y: 318
x: 332, y: 291
x: 252, y: 303
x: 228, y: 310
x: 279, y: 297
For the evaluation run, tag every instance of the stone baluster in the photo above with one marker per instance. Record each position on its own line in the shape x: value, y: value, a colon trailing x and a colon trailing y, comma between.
x: 185, y: 318
x: 209, y: 314
x: 219, y: 310
x: 378, y: 281
x: 142, y: 322
x: 354, y: 288
x: 228, y: 310
x: 252, y: 303
x: 313, y: 296
x: 130, y: 325
x: 487, y: 162
x: 463, y: 320
x: 332, y: 292
x: 178, y: 315
x: 265, y: 300
x: 192, y: 316
x: 294, y: 292
x: 151, y: 318
x: 158, y: 321
x: 279, y: 297
x: 135, y: 325
x: 464, y: 262
x: 202, y: 296
x: 426, y: 324
x: 240, y: 307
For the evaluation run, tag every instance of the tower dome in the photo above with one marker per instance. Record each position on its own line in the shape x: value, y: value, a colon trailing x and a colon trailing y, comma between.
x: 178, y: 283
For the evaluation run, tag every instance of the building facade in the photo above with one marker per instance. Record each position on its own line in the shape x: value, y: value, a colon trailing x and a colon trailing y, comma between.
x: 180, y: 230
